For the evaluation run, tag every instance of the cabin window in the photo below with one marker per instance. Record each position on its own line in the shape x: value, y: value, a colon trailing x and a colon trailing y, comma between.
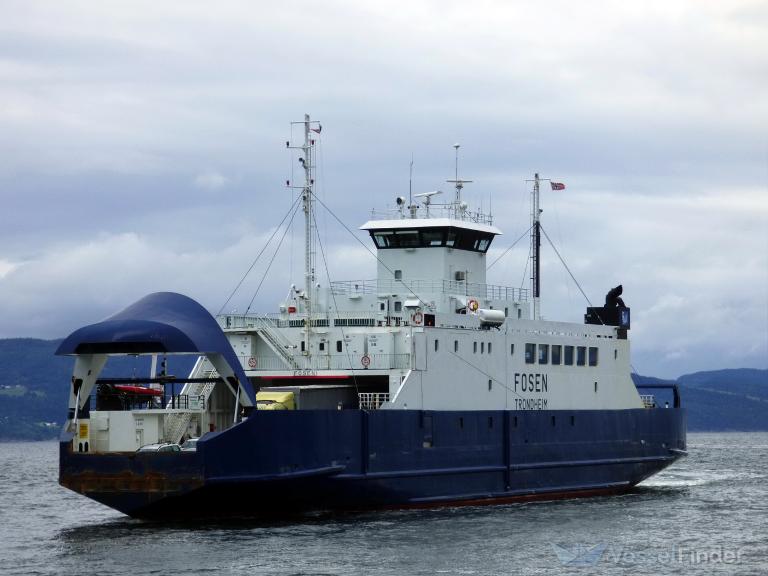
x: 455, y: 345
x: 303, y: 346
x: 482, y: 347
x: 530, y: 353
x: 592, y: 356
x: 432, y: 237
x: 398, y: 274
x: 490, y: 385
x: 568, y: 356
x: 556, y: 353
x: 615, y: 354
x: 383, y: 238
x: 511, y: 349
x: 407, y: 238
x: 482, y: 244
x: 474, y: 348
x: 543, y: 353
x: 581, y: 355
x: 437, y: 344
x: 506, y: 312
x: 322, y: 346
x: 382, y: 306
x: 519, y: 313
x: 338, y: 345
x: 489, y: 347
x: 398, y: 306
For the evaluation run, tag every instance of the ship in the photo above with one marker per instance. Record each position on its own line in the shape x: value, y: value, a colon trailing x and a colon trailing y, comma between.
x: 426, y: 386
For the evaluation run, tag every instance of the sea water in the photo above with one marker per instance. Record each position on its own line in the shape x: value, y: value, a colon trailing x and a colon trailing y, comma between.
x: 707, y: 514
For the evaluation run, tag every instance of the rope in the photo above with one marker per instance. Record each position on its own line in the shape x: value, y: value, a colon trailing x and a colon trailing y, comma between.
x: 280, y: 243
x: 335, y: 305
x: 257, y: 257
x: 524, y: 234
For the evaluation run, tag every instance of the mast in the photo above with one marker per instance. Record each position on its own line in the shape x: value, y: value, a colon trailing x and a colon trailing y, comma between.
x: 535, y: 248
x: 308, y: 201
x: 459, y: 183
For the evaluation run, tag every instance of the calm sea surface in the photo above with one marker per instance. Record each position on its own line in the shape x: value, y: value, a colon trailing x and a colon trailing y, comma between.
x: 707, y: 514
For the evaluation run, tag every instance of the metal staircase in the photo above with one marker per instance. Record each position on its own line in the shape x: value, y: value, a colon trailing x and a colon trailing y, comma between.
x: 176, y: 423
x: 279, y: 344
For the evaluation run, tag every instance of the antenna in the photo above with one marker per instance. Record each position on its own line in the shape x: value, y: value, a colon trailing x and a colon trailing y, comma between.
x: 410, y: 182
x: 428, y: 198
x: 459, y: 183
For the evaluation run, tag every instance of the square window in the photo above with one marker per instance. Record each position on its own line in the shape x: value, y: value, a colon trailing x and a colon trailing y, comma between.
x: 398, y: 274
x: 322, y: 346
x: 568, y: 356
x: 398, y: 306
x: 556, y: 353
x: 511, y: 349
x: 592, y: 356
x: 543, y: 353
x: 530, y: 353
x: 338, y: 345
x: 581, y: 355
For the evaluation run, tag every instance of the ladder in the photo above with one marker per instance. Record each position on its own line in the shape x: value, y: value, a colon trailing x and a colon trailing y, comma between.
x: 279, y: 344
x: 176, y: 423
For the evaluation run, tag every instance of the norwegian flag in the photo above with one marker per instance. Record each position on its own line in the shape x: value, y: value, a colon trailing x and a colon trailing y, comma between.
x: 557, y: 185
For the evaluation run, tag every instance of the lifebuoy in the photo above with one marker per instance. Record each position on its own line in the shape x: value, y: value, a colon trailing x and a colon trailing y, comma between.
x: 252, y: 362
x: 365, y: 360
x: 473, y: 305
x: 417, y: 318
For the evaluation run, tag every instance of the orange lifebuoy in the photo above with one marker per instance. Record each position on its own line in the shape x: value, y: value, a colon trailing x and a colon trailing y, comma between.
x: 473, y: 305
x: 417, y: 318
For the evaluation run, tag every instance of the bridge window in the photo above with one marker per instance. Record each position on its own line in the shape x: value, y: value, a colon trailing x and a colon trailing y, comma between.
x: 474, y: 240
x: 556, y: 353
x: 543, y: 353
x: 530, y: 353
x: 592, y: 356
x: 568, y: 356
x: 581, y: 355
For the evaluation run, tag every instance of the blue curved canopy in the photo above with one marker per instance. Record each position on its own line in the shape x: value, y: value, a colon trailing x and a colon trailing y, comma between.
x: 163, y: 322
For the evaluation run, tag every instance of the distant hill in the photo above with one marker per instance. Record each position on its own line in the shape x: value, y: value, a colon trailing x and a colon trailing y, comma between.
x: 722, y: 399
x: 34, y: 389
x: 34, y: 385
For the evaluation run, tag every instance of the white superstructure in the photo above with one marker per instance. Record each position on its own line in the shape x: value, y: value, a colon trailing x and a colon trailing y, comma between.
x: 429, y: 332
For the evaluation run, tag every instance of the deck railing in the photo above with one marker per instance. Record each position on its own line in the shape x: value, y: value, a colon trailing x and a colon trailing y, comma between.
x: 329, y: 362
x: 451, y: 287
x: 372, y: 400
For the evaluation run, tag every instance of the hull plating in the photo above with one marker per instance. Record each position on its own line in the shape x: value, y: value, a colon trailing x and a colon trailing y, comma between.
x: 285, y: 462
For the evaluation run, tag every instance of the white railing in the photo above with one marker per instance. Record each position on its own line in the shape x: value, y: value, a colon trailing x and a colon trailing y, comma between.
x: 649, y: 400
x: 449, y: 210
x: 329, y: 362
x: 372, y: 400
x: 451, y: 287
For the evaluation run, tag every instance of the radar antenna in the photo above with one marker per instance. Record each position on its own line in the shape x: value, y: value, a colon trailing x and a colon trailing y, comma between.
x: 458, y: 206
x: 428, y: 198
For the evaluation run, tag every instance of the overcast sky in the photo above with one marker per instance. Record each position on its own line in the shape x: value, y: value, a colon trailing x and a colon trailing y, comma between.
x: 142, y: 148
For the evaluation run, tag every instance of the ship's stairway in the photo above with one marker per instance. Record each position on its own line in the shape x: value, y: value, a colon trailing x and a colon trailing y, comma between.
x: 176, y: 423
x: 279, y: 344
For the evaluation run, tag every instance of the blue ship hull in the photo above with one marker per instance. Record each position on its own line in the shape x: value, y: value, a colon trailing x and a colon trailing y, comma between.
x: 284, y: 462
